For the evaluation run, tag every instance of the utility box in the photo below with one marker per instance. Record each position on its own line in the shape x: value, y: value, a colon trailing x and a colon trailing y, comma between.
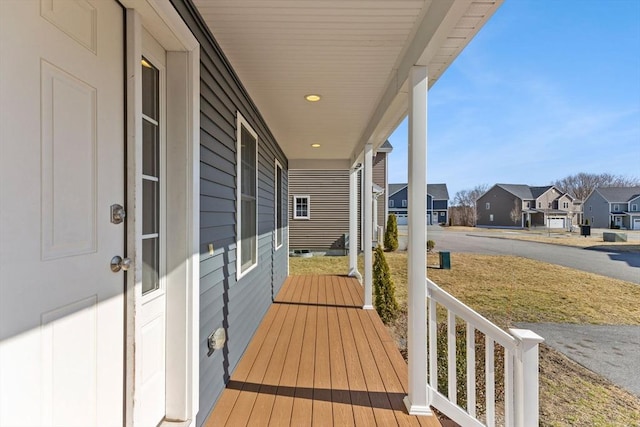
x: 445, y: 260
x: 585, y: 230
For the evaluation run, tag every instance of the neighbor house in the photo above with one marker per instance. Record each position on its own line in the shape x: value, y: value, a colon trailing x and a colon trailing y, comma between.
x: 518, y: 206
x: 437, y: 203
x: 145, y: 155
x: 613, y: 207
x: 319, y: 205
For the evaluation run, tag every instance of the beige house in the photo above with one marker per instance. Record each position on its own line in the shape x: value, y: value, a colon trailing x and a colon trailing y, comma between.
x: 319, y: 206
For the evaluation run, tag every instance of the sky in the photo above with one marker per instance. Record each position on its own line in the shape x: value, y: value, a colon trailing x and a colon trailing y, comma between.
x: 545, y: 90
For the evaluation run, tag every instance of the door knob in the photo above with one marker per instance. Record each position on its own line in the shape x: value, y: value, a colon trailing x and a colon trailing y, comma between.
x: 118, y: 263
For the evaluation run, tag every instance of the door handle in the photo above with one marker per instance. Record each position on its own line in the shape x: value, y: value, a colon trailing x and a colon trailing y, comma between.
x: 118, y: 263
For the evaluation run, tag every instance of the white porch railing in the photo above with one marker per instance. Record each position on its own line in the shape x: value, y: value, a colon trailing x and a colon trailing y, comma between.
x: 518, y: 405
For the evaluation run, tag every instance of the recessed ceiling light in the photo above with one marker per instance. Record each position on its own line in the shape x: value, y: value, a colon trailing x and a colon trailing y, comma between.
x: 312, y: 97
x: 315, y: 145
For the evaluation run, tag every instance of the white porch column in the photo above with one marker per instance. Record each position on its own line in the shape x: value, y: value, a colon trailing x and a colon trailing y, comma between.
x: 418, y: 400
x: 367, y: 190
x: 353, y: 224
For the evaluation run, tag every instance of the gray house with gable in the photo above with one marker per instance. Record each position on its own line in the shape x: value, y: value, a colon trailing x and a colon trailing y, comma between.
x: 437, y: 203
x: 609, y: 207
x: 518, y: 206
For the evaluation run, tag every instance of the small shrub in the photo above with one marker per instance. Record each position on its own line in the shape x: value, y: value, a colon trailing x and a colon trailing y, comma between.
x: 384, y: 289
x: 430, y: 245
x: 391, y: 234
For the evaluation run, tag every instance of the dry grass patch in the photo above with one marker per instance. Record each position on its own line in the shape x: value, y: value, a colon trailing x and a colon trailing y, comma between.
x: 555, y: 238
x: 511, y: 289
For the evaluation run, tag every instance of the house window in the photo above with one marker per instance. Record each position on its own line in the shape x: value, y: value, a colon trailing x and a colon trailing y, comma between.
x: 589, y: 208
x: 539, y: 204
x: 391, y: 203
x: 528, y: 204
x: 616, y: 208
x: 634, y: 207
x: 491, y: 217
x: 404, y: 203
x: 152, y: 183
x: 247, y: 185
x: 565, y: 205
x: 487, y: 206
x: 549, y: 205
x: 277, y: 205
x: 301, y: 206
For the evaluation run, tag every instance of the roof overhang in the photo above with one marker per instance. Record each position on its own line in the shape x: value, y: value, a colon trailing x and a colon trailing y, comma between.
x: 356, y: 54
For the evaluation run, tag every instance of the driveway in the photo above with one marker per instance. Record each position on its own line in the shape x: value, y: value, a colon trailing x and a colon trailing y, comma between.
x: 609, y: 262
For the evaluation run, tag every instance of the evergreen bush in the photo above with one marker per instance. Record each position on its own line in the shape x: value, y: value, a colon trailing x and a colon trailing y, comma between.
x: 430, y: 245
x: 384, y: 289
x: 391, y: 234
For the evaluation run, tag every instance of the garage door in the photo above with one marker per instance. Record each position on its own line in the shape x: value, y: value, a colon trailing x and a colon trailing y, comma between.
x: 556, y: 222
x: 636, y: 223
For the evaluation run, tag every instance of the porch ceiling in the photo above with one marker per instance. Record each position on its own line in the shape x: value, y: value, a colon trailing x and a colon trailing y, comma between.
x: 356, y: 54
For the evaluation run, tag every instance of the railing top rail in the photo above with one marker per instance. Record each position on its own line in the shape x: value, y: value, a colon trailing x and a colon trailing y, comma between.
x: 469, y: 315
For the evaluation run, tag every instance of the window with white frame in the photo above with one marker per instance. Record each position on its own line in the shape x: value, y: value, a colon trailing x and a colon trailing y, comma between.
x: 616, y: 208
x: 404, y: 203
x: 247, y: 188
x: 301, y: 207
x: 634, y: 207
x: 278, y: 205
x: 491, y: 217
x: 391, y: 203
x: 487, y: 206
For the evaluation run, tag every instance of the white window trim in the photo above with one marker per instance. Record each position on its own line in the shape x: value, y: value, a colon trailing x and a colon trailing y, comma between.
x: 391, y: 203
x: 634, y: 207
x: 487, y: 205
x: 404, y: 203
x: 277, y: 207
x: 240, y: 122
x: 295, y: 212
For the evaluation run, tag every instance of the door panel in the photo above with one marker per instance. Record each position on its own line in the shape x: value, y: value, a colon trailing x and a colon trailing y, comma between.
x: 61, y: 167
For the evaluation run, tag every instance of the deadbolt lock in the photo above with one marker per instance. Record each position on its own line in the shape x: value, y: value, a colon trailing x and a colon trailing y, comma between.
x: 117, y: 214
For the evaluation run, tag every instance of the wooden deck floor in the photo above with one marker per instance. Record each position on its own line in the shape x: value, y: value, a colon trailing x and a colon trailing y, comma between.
x: 318, y: 359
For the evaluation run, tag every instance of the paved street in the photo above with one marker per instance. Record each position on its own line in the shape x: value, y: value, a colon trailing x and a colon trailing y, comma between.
x: 619, y: 265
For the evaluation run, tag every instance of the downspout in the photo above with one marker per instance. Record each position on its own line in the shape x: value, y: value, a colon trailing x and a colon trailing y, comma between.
x: 367, y: 221
x: 353, y: 223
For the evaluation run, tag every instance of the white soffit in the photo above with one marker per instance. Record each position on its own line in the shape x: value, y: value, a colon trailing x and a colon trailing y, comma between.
x: 354, y: 53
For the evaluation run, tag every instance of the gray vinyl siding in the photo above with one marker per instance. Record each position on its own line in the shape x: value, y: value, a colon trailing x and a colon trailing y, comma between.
x: 596, y: 210
x: 237, y: 306
x: 501, y: 204
x: 328, y: 191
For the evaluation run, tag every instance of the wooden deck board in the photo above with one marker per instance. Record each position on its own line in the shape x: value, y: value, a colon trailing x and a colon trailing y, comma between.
x: 318, y: 359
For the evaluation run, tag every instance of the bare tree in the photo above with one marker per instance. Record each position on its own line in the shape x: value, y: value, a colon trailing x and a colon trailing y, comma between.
x: 465, y: 204
x: 582, y: 184
x: 516, y: 212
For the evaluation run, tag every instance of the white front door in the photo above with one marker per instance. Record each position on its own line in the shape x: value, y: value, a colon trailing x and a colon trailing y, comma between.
x: 61, y: 169
x: 152, y: 241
